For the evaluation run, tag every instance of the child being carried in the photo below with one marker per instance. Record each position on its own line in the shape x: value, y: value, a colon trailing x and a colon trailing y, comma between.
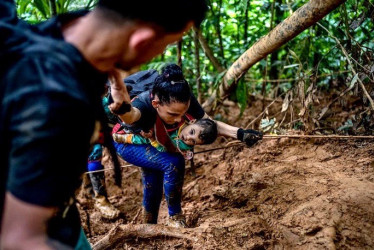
x: 194, y: 132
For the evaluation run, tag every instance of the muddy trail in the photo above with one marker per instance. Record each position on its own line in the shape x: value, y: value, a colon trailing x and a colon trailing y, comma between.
x: 279, y: 194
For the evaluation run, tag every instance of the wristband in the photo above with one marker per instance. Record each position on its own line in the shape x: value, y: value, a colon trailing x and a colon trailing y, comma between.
x: 125, y: 107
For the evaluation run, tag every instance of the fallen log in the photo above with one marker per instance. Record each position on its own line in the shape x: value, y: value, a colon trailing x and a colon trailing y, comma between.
x: 143, y: 231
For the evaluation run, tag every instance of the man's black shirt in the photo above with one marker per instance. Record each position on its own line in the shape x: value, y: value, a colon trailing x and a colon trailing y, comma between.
x: 48, y: 93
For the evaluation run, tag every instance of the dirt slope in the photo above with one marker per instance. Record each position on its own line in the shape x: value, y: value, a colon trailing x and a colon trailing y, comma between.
x: 280, y: 194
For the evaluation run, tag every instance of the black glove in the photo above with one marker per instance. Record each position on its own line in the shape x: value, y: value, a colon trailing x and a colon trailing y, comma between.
x: 249, y: 136
x: 109, y: 96
x: 125, y: 107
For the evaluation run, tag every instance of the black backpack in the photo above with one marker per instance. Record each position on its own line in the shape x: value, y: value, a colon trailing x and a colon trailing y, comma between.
x: 136, y: 84
x: 141, y: 81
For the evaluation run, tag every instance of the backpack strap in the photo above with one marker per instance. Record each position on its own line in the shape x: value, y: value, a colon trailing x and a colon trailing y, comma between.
x: 189, y: 117
x: 118, y: 129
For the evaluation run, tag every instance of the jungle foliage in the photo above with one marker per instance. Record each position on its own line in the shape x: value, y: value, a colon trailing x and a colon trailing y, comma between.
x: 335, y: 56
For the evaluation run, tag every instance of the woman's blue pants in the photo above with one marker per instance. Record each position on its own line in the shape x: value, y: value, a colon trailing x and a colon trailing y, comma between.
x: 160, y: 170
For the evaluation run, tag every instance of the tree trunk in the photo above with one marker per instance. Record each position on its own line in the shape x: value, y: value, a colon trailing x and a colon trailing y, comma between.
x: 197, y: 66
x: 208, y: 52
x: 303, y: 18
x: 216, y: 21
x: 273, y: 71
x: 245, y: 35
x: 263, y: 90
x: 218, y: 30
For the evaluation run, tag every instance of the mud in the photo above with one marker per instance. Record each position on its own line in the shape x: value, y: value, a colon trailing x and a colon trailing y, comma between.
x: 279, y: 194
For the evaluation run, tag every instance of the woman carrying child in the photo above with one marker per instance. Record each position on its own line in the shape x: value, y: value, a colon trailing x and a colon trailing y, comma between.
x: 156, y: 114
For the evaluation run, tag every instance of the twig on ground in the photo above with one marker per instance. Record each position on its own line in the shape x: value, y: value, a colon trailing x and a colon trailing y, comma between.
x: 353, y: 137
x: 136, y: 216
x: 324, y: 110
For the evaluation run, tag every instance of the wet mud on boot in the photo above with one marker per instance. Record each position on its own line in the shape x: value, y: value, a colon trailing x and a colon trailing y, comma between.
x: 178, y: 220
x: 107, y: 210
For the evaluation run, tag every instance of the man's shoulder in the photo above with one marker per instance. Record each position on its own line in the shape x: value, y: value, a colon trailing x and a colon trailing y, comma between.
x: 40, y: 69
x: 53, y: 52
x: 45, y: 60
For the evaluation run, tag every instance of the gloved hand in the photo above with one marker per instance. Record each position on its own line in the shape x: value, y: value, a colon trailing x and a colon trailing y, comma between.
x: 249, y: 136
x: 123, y: 108
x: 119, y: 94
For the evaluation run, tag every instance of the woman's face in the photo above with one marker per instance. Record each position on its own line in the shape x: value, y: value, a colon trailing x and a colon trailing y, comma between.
x: 171, y: 113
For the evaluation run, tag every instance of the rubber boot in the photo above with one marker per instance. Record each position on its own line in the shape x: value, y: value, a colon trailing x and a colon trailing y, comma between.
x: 178, y: 220
x: 107, y: 210
x: 148, y: 217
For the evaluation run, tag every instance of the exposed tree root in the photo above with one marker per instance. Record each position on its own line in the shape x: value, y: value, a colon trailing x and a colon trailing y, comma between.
x: 144, y: 231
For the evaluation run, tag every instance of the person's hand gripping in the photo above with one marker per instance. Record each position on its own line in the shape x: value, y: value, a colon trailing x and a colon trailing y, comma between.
x: 119, y: 94
x: 249, y: 136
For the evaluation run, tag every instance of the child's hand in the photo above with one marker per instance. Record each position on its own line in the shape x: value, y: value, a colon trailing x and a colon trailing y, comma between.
x: 148, y: 134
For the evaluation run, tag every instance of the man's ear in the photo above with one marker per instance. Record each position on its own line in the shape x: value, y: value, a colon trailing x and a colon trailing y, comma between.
x: 141, y: 38
x: 155, y: 103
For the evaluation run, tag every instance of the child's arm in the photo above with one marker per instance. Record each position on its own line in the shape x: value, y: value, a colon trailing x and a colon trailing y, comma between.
x: 137, y: 139
x: 247, y: 136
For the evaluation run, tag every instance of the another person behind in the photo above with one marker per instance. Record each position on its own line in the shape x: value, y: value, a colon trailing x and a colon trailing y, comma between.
x: 95, y: 169
x: 189, y: 134
x: 163, y: 110
x: 54, y: 80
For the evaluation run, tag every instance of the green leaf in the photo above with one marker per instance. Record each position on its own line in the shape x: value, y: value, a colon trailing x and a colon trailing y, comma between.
x: 43, y: 7
x: 22, y: 5
x: 219, y: 78
x: 242, y: 95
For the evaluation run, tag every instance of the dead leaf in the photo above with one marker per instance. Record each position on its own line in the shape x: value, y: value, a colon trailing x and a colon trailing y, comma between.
x: 286, y: 102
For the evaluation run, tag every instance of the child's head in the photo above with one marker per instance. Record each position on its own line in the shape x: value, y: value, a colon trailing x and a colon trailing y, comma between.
x: 203, y: 131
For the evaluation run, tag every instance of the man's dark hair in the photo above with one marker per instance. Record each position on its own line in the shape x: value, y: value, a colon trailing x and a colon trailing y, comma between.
x: 170, y: 86
x: 209, y: 133
x: 171, y: 15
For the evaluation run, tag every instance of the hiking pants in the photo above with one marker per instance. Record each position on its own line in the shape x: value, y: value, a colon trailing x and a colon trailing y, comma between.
x: 94, y: 164
x: 160, y: 170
